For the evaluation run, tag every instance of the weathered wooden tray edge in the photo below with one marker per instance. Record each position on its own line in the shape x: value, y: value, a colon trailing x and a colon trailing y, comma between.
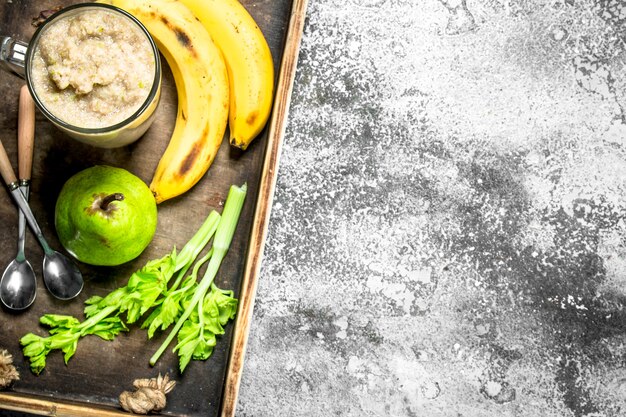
x: 263, y: 208
x: 45, y: 406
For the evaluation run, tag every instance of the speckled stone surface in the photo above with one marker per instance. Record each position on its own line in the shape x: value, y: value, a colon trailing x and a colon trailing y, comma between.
x: 448, y: 233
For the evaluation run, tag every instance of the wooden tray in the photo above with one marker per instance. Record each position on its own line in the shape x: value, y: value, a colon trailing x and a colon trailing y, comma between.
x: 99, y: 371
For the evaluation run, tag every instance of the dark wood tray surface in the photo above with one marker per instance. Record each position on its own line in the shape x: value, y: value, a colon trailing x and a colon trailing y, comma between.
x: 100, y: 370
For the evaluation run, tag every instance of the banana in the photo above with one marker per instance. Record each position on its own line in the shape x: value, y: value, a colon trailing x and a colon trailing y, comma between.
x: 202, y: 86
x: 249, y: 63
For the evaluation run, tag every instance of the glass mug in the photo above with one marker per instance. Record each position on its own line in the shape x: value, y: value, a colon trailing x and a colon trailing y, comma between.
x: 17, y: 56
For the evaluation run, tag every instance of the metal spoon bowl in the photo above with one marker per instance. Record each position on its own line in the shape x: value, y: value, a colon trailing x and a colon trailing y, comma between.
x: 18, y: 287
x: 61, y: 276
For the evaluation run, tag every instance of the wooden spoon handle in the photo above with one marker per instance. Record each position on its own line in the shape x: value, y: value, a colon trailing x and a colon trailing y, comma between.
x: 5, y: 168
x: 25, y: 133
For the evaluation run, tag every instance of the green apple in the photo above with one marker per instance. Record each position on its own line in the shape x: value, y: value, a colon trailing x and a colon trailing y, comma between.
x: 105, y: 216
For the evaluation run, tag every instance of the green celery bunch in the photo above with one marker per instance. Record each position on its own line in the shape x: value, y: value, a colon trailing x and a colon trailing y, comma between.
x: 144, y: 290
x: 201, y: 310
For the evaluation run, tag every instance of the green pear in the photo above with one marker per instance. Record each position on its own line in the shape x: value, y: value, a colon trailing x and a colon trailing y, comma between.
x: 105, y: 216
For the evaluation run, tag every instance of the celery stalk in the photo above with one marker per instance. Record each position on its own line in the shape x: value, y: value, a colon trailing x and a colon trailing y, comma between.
x: 195, y: 245
x: 221, y: 243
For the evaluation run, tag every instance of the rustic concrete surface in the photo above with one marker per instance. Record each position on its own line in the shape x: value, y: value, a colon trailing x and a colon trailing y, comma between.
x: 448, y: 235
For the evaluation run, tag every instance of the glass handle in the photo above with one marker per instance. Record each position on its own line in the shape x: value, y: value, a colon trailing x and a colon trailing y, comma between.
x: 13, y: 55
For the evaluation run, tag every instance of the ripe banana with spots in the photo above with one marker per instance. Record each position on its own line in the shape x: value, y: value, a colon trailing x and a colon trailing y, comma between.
x: 249, y: 63
x: 202, y: 86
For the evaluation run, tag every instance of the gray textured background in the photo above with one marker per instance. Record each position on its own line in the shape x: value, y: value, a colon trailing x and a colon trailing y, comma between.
x: 448, y: 234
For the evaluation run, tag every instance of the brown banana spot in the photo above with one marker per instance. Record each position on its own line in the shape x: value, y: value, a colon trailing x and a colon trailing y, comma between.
x: 189, y: 159
x: 193, y: 154
x: 252, y: 117
x: 181, y: 35
x: 183, y: 39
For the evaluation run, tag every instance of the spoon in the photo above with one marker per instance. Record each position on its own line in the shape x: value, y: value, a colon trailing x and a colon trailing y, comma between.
x: 18, y: 286
x: 61, y: 276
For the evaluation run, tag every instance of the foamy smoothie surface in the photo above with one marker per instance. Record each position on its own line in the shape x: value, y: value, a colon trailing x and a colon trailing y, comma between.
x: 93, y: 69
